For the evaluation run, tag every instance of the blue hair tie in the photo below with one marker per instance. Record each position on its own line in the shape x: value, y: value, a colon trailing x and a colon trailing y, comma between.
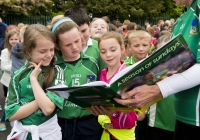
x: 59, y: 23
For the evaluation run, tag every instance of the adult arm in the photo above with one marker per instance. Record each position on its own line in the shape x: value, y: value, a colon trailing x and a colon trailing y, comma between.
x: 170, y: 85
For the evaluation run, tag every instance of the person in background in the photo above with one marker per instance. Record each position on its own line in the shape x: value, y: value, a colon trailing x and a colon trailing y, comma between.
x: 119, y: 26
x: 147, y: 24
x: 3, y: 27
x: 172, y: 21
x: 10, y: 27
x: 12, y: 38
x: 112, y: 27
x: 161, y: 115
x: 106, y: 18
x: 16, y: 52
x: 20, y: 25
x: 98, y: 28
x: 125, y: 24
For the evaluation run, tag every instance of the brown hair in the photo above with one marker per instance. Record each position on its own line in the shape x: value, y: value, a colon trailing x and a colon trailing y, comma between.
x: 32, y: 33
x: 21, y: 33
x: 150, y: 30
x: 94, y: 19
x: 126, y: 22
x: 132, y: 26
x: 62, y: 28
x: 163, y: 38
x: 8, y: 36
x: 114, y: 35
x: 106, y: 18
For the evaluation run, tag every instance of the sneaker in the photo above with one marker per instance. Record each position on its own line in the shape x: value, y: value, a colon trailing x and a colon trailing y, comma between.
x: 2, y: 127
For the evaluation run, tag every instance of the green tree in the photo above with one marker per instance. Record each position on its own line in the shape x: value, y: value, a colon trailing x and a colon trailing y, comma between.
x: 121, y: 9
x: 25, y: 7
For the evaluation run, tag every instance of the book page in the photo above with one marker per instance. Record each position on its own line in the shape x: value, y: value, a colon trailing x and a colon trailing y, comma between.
x: 64, y: 87
x: 96, y: 83
x: 57, y: 86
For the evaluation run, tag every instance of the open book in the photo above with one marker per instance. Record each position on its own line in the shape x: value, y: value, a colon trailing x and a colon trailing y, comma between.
x: 174, y: 57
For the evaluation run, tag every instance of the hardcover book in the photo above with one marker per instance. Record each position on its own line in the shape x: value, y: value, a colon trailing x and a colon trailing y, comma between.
x: 174, y: 57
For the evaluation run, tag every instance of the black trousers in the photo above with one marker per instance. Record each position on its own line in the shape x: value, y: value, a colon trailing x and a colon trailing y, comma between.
x: 141, y: 130
x: 159, y: 134
x: 186, y: 132
x: 85, y: 128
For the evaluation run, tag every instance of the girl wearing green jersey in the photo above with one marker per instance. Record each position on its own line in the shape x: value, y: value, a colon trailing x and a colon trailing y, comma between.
x: 76, y: 123
x: 32, y: 109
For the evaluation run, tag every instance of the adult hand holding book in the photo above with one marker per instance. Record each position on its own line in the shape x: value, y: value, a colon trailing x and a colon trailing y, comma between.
x: 138, y: 80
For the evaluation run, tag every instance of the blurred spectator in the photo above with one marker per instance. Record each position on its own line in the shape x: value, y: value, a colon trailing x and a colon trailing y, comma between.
x: 3, y: 27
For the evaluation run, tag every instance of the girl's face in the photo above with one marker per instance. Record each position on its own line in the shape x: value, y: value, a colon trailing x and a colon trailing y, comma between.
x: 98, y: 27
x: 14, y: 39
x: 110, y: 52
x: 139, y: 48
x: 70, y: 45
x: 44, y: 51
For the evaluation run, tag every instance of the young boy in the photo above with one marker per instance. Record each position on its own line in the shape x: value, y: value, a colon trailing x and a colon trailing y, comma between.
x: 139, y: 44
x: 89, y: 46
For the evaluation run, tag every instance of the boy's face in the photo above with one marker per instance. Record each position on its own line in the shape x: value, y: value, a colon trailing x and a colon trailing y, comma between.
x: 139, y: 48
x: 85, y: 34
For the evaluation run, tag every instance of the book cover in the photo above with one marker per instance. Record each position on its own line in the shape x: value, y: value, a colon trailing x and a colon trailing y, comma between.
x: 174, y: 57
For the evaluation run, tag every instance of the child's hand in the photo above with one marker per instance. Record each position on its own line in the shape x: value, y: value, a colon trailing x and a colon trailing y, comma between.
x: 141, y: 116
x: 100, y: 110
x: 36, y: 71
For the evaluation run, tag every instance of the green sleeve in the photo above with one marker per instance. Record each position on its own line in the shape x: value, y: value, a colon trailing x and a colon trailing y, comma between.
x: 58, y: 101
x: 12, y: 102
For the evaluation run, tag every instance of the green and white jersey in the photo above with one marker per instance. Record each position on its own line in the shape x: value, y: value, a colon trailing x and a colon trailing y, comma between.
x: 187, y: 102
x: 129, y: 61
x: 92, y: 50
x: 161, y: 115
x: 86, y: 70
x: 21, y: 93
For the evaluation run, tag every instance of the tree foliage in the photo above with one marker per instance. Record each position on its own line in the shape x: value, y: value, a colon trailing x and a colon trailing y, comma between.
x: 122, y: 9
x: 115, y: 9
x: 25, y: 7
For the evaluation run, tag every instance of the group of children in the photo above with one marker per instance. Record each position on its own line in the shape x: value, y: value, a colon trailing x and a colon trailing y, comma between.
x: 67, y: 55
